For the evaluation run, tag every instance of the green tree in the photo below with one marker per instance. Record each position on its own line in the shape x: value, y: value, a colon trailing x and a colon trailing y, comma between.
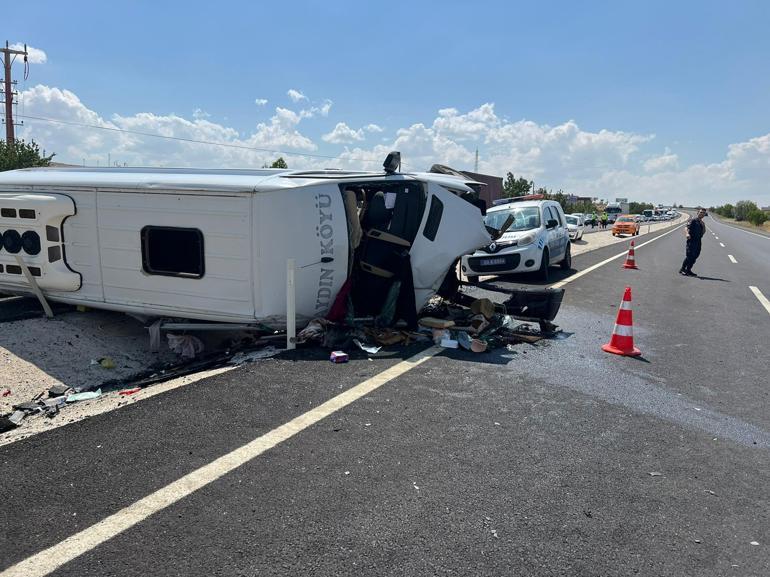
x: 743, y: 208
x: 279, y: 163
x: 756, y: 217
x: 515, y: 186
x: 22, y: 155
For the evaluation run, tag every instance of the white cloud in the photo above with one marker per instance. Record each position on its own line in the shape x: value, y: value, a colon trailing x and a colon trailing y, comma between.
x: 260, y: 101
x: 342, y: 133
x: 603, y: 163
x: 198, y: 113
x: 73, y: 144
x: 665, y: 162
x: 295, y: 95
x: 34, y: 55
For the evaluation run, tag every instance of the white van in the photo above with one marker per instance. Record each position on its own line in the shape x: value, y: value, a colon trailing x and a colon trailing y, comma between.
x: 537, y: 238
x: 214, y: 244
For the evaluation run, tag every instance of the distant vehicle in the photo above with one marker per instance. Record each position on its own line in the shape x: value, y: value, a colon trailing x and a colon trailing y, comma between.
x: 648, y: 214
x: 575, y: 226
x: 625, y: 224
x: 614, y: 210
x: 537, y: 238
x: 213, y: 244
x: 591, y: 218
x: 579, y: 215
x: 638, y: 217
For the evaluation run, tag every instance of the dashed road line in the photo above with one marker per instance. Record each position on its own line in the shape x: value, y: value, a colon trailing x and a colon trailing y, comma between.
x: 576, y: 276
x: 742, y: 229
x: 732, y: 259
x: 49, y: 560
x: 761, y: 298
x: 722, y: 244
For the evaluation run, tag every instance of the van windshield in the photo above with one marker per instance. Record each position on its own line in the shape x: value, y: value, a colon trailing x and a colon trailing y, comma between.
x: 525, y: 218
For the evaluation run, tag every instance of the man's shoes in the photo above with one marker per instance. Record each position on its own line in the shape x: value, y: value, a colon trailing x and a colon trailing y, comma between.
x: 690, y: 273
x: 682, y: 272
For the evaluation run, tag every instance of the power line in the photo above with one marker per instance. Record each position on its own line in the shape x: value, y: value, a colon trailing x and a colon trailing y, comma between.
x: 189, y: 140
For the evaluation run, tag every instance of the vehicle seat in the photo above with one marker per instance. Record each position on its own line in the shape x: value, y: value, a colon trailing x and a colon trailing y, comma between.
x: 531, y: 221
x: 377, y: 215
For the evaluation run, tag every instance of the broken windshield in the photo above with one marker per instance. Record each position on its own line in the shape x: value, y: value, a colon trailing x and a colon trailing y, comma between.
x: 525, y: 218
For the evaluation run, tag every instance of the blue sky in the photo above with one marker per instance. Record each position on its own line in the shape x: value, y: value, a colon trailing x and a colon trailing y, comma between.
x: 646, y: 96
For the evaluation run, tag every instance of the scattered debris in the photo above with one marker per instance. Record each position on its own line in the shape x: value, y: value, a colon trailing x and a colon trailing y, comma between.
x: 654, y: 474
x: 434, y: 323
x: 16, y: 417
x: 104, y: 362
x: 367, y: 348
x: 6, y: 392
x: 84, y: 396
x: 6, y: 424
x: 58, y: 390
x: 187, y: 346
x: 126, y: 392
x: 338, y: 357
x: 754, y: 543
x: 248, y: 357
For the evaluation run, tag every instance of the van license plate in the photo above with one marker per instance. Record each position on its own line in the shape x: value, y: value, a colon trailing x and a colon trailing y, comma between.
x: 492, y: 261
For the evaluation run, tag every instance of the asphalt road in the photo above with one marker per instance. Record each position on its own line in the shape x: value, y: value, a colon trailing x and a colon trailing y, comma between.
x: 550, y: 459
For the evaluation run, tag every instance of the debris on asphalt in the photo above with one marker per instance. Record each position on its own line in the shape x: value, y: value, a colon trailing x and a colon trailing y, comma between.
x: 251, y: 356
x: 16, y: 417
x: 187, y: 346
x: 367, y: 348
x: 104, y: 362
x: 338, y: 357
x: 58, y: 390
x: 654, y: 474
x: 84, y: 396
x: 126, y: 392
x: 6, y: 392
x: 449, y: 343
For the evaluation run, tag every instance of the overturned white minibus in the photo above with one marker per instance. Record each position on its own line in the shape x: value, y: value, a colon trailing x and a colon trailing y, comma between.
x: 213, y: 244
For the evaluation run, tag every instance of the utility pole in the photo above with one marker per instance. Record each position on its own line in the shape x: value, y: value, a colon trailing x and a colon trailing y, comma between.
x: 476, y: 169
x: 9, y: 55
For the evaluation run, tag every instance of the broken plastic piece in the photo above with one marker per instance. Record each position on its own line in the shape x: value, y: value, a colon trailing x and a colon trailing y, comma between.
x: 58, y: 390
x: 449, y: 343
x: 17, y: 417
x: 243, y: 357
x: 84, y: 396
x: 130, y: 391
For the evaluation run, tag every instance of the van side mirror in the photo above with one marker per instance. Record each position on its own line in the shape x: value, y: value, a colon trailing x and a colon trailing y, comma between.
x: 552, y: 223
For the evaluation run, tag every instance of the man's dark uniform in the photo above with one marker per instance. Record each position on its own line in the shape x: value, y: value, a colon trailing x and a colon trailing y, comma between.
x: 696, y: 228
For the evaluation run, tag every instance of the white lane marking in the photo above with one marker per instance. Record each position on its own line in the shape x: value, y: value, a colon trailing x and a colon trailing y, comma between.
x: 732, y: 259
x: 51, y: 559
x: 601, y: 264
x: 722, y: 244
x: 716, y: 237
x: 742, y: 229
x: 762, y: 298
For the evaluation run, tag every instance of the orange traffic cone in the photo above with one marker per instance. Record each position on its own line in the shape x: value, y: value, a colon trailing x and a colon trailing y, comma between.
x: 622, y: 339
x: 630, y: 260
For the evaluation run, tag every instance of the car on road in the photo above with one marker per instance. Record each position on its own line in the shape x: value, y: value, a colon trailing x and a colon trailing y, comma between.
x: 537, y: 238
x: 590, y: 218
x: 574, y: 226
x: 625, y: 224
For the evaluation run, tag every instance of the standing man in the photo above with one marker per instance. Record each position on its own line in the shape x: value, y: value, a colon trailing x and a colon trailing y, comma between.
x: 695, y: 230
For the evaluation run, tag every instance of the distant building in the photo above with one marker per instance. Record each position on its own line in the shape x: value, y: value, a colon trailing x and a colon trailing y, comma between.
x: 493, y: 189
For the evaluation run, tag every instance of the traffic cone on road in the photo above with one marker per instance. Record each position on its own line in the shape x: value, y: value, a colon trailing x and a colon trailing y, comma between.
x: 622, y: 339
x: 630, y: 260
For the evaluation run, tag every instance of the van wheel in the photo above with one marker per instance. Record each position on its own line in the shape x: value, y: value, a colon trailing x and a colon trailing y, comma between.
x: 566, y: 263
x: 542, y: 272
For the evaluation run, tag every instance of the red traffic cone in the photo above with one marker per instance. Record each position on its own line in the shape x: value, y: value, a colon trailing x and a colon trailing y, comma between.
x: 622, y: 339
x: 630, y: 260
